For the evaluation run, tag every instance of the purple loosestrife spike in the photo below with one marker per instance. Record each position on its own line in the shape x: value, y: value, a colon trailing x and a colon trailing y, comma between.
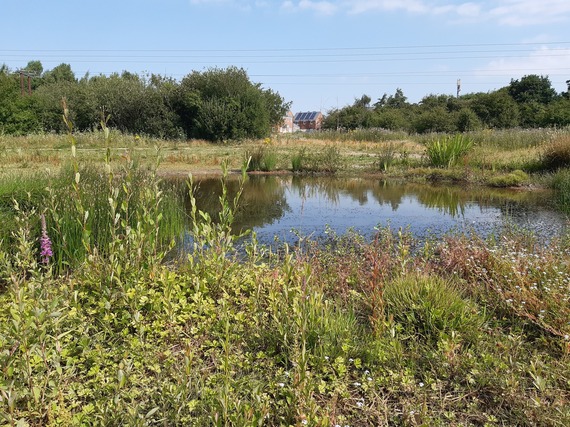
x: 45, y: 242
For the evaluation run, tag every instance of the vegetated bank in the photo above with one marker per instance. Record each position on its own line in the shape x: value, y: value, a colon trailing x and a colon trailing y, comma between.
x: 339, y: 332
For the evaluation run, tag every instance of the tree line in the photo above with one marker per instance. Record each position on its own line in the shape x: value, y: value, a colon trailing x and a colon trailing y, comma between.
x: 216, y: 105
x: 529, y: 103
x: 223, y: 104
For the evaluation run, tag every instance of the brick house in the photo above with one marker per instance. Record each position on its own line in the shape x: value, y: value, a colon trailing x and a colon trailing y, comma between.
x: 287, y: 125
x: 310, y: 120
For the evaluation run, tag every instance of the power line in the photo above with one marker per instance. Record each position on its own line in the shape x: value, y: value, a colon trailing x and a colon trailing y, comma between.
x: 299, y: 49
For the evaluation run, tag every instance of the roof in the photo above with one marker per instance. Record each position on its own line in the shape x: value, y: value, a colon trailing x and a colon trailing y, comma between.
x: 306, y: 116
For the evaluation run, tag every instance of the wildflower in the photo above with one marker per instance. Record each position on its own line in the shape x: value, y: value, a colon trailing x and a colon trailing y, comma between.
x: 45, y: 242
x: 304, y: 422
x: 281, y: 384
x: 421, y: 384
x: 359, y: 404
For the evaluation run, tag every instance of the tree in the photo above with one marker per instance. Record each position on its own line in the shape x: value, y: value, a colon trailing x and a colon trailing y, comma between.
x: 223, y: 104
x: 363, y: 102
x: 532, y: 88
x: 18, y: 114
x: 61, y: 73
x: 35, y: 67
x: 495, y: 109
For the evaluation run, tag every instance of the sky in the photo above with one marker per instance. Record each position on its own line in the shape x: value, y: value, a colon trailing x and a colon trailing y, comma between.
x: 319, y: 55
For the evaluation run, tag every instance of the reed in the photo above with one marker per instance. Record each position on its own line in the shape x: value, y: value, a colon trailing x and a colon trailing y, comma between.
x: 447, y: 151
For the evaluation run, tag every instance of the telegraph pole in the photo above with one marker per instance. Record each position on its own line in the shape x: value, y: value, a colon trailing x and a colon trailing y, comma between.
x: 458, y: 87
x: 29, y: 75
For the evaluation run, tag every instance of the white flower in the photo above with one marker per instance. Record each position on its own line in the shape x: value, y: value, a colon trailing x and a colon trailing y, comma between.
x: 281, y: 384
x: 304, y: 422
x: 421, y: 384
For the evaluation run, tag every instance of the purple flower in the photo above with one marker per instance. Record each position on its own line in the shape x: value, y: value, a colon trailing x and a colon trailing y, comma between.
x: 45, y: 242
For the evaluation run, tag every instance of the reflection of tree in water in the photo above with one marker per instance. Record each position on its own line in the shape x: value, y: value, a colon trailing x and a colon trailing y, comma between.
x: 453, y: 200
x: 262, y: 201
x: 310, y: 187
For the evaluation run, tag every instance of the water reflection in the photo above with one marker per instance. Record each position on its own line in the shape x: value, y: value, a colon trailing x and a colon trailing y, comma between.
x: 276, y: 205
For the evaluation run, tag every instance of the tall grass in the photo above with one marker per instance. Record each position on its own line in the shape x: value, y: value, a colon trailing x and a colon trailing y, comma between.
x: 358, y: 135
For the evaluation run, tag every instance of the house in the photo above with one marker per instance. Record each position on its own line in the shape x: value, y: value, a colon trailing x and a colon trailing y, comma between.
x: 310, y: 120
x: 287, y: 125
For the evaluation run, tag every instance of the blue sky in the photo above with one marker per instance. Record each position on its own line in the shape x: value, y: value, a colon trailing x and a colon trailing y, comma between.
x: 317, y: 54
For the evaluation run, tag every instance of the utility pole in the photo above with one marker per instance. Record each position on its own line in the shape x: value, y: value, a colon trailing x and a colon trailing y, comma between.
x: 458, y: 87
x: 29, y: 75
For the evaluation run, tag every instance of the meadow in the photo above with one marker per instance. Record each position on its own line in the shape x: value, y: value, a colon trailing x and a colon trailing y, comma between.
x: 98, y: 329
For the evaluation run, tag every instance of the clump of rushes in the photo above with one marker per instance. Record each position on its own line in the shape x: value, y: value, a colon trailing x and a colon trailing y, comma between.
x: 448, y: 150
x: 263, y: 158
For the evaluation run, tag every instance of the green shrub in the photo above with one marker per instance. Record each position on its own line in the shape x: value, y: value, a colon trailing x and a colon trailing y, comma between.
x: 511, y: 179
x: 447, y: 150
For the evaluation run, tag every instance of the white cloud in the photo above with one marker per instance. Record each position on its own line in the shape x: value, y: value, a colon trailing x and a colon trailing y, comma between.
x: 544, y: 61
x: 322, y: 7
x: 464, y: 10
x: 530, y: 12
x: 363, y: 6
x: 505, y: 12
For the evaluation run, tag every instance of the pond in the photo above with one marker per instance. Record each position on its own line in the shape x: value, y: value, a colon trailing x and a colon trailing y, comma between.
x: 280, y: 208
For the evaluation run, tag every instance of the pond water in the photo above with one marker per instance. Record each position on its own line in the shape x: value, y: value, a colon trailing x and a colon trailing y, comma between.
x: 283, y: 207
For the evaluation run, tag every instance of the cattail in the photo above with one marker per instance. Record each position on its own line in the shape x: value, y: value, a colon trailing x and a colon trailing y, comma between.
x: 45, y: 242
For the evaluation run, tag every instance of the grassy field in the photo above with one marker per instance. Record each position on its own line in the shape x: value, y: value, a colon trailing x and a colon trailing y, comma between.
x: 97, y: 329
x: 358, y: 152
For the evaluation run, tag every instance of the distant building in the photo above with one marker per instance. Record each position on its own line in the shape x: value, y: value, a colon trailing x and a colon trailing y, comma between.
x: 287, y: 125
x: 310, y: 120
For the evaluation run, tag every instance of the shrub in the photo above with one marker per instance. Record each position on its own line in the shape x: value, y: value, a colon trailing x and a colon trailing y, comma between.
x: 446, y: 151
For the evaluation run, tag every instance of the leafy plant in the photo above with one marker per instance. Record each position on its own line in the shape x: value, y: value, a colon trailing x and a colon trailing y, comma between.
x: 448, y: 150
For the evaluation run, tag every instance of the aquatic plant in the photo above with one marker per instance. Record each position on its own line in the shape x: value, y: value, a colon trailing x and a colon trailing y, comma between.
x: 447, y: 150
